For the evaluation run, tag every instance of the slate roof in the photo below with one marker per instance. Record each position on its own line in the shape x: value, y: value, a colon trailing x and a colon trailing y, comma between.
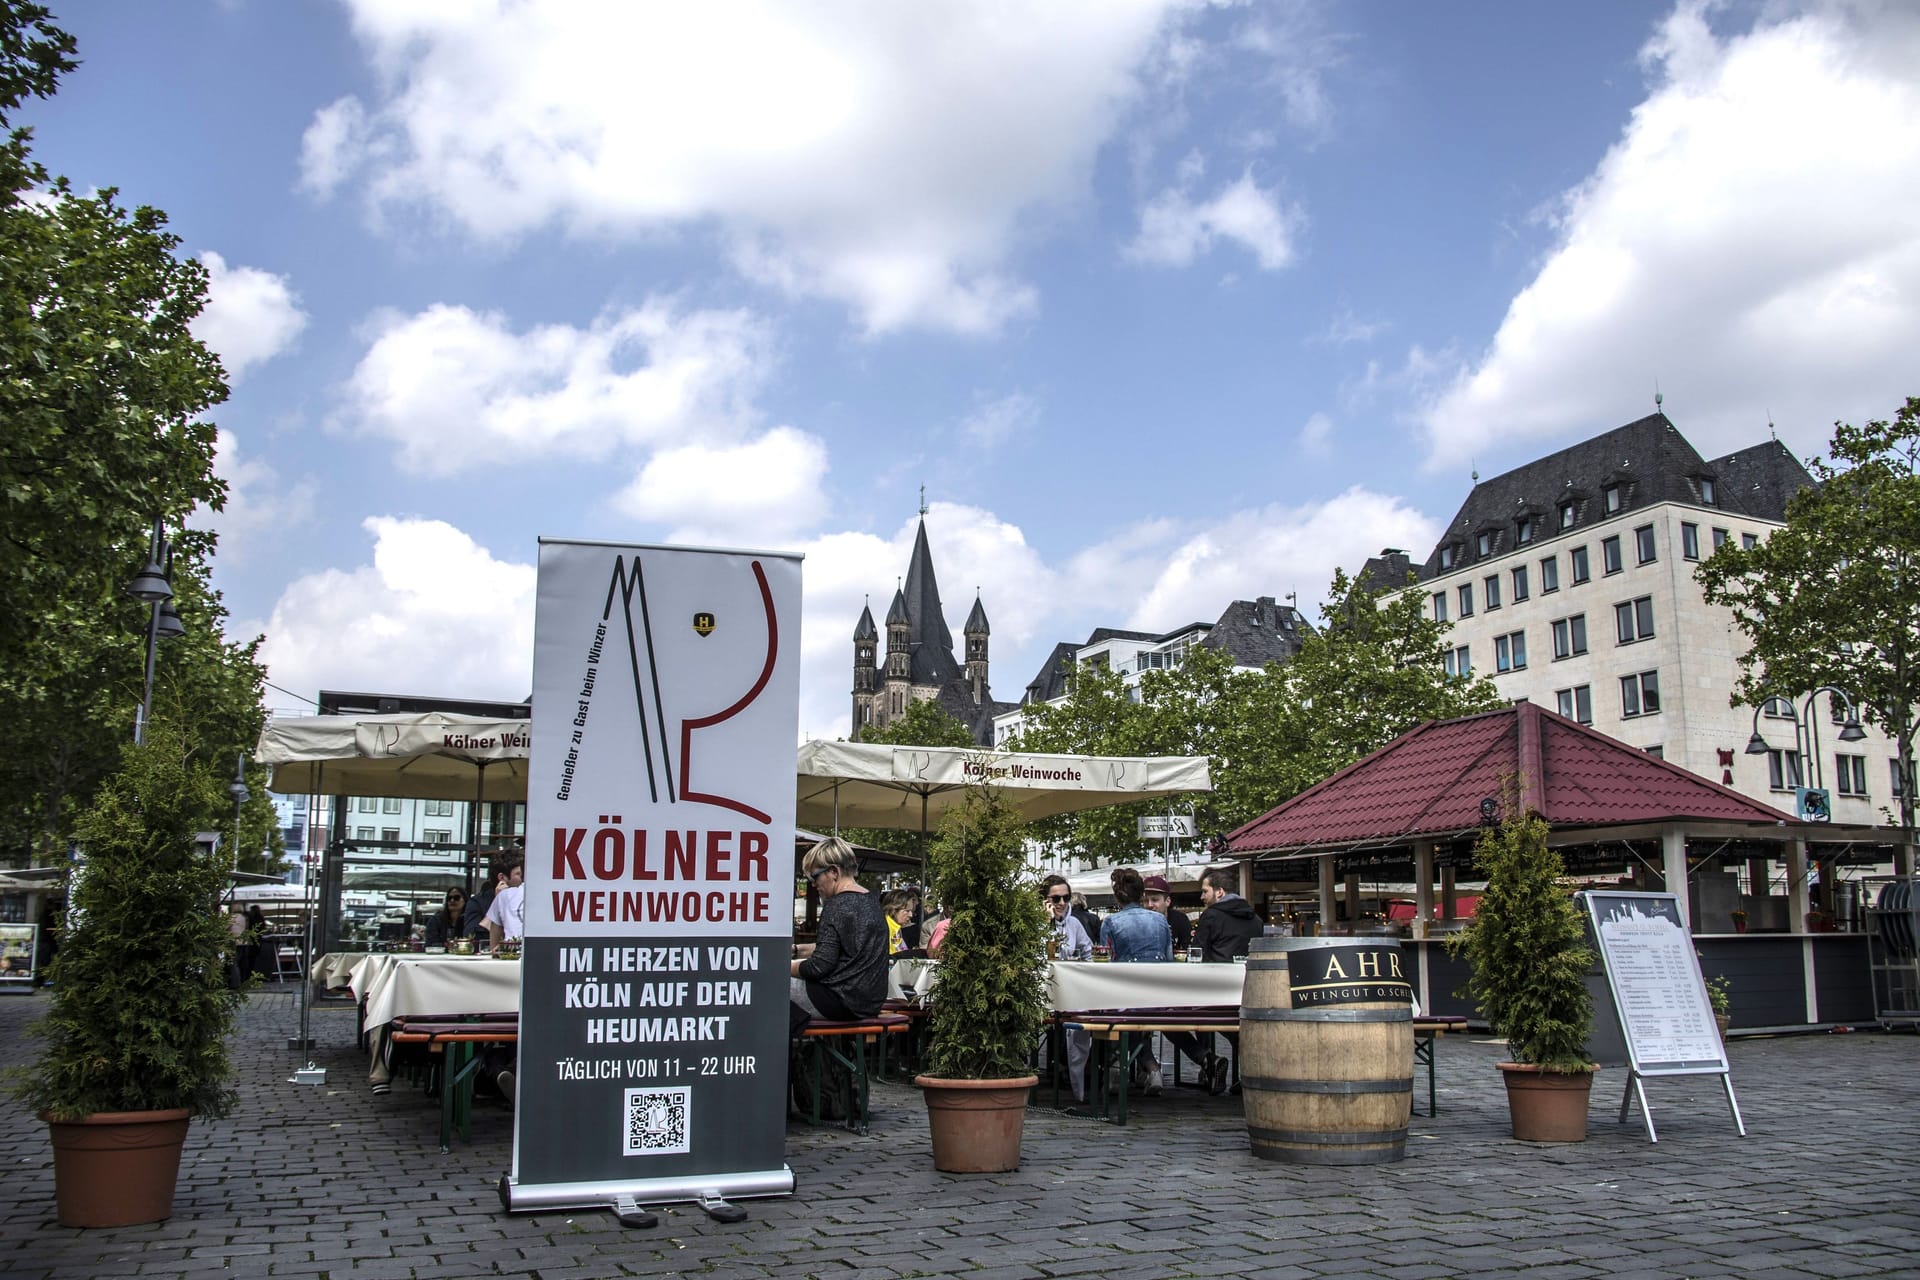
x: 864, y: 629
x: 976, y: 623
x: 1761, y: 478
x: 1428, y: 784
x: 1256, y: 632
x: 1051, y: 683
x: 933, y: 661
x: 1649, y: 460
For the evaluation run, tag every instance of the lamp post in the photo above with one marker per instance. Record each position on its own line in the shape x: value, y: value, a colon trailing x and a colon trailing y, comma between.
x: 238, y: 790
x: 1806, y: 733
x: 152, y: 586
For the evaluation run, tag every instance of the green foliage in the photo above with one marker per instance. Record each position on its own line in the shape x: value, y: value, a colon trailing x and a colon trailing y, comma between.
x: 102, y: 388
x: 990, y: 1004
x: 1527, y: 946
x: 1372, y: 673
x: 1720, y: 994
x: 141, y: 1008
x: 1834, y: 596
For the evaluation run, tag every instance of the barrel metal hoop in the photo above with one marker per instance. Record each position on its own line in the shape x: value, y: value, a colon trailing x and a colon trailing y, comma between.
x: 1272, y: 1085
x: 1326, y: 1015
x: 1316, y: 1138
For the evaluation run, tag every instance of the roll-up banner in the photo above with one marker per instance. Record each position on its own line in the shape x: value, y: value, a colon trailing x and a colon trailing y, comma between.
x: 659, y: 879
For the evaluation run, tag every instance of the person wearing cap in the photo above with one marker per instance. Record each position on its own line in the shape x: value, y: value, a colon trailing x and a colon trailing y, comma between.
x: 1159, y: 897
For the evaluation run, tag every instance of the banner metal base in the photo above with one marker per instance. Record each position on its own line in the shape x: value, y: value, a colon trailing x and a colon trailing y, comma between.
x: 543, y: 1197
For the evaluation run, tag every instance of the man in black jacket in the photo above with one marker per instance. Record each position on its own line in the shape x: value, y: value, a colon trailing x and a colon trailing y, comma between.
x: 1227, y: 928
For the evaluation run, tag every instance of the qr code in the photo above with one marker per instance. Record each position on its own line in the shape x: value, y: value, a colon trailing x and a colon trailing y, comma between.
x: 657, y: 1121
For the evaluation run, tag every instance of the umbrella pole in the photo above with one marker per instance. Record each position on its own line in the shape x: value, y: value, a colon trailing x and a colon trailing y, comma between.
x: 923, y: 841
x: 473, y: 824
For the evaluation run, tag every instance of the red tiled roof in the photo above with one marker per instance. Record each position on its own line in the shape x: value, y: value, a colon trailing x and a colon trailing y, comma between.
x: 1429, y: 782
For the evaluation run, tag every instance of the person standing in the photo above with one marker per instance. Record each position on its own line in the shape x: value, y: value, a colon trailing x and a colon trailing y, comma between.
x: 1159, y: 897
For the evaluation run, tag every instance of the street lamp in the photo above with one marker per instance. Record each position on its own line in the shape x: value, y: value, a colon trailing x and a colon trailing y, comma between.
x: 151, y: 587
x: 1806, y: 731
x: 238, y: 790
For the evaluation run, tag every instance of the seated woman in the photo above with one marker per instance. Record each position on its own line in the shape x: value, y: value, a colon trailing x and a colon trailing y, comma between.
x: 445, y: 923
x: 846, y: 976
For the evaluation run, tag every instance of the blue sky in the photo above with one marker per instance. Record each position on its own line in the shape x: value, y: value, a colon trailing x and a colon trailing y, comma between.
x: 1166, y: 304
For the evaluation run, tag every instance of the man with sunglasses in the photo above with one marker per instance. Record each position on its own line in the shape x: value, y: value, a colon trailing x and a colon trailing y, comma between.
x: 1071, y: 943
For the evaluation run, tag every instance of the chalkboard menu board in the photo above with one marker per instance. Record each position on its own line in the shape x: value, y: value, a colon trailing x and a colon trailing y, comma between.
x: 1655, y: 977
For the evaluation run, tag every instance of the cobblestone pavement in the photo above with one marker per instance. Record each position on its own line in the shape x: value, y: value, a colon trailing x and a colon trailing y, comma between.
x: 333, y: 1182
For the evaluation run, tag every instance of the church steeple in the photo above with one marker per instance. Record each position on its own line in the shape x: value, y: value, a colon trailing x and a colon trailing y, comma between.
x: 976, y: 632
x: 866, y: 675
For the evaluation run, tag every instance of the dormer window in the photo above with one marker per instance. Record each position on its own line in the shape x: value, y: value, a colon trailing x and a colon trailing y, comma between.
x: 1446, y: 558
x: 1523, y: 532
x: 1610, y: 498
x: 1566, y: 515
x: 1706, y: 490
x: 1484, y: 544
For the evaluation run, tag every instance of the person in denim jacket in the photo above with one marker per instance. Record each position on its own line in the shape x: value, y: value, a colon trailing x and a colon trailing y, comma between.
x: 1133, y: 932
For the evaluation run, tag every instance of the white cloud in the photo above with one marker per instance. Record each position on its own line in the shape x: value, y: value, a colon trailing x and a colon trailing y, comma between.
x: 755, y: 494
x: 995, y: 421
x: 1346, y: 327
x: 886, y: 156
x: 1174, y: 230
x: 251, y: 315
x: 454, y: 388
x: 330, y: 147
x: 1749, y: 244
x: 1316, y: 436
x: 1273, y: 550
x: 259, y: 509
x: 434, y: 614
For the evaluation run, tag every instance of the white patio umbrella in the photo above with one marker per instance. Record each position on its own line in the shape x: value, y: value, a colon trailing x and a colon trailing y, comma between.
x: 866, y: 784
x: 430, y: 755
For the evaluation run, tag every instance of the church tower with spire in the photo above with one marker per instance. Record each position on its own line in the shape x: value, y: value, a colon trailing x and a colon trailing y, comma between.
x: 920, y: 663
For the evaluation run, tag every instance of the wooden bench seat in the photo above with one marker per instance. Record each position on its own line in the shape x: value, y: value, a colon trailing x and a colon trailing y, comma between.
x: 457, y: 1040
x: 820, y: 1037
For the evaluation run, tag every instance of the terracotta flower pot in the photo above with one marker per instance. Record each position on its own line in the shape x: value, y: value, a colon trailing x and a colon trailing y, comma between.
x: 1547, y: 1106
x: 976, y: 1124
x: 117, y: 1168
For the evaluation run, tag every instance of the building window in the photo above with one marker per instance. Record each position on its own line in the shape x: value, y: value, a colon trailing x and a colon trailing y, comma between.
x: 1777, y: 708
x: 363, y: 833
x: 1643, y: 544
x: 1690, y: 541
x: 1748, y: 541
x: 1577, y: 561
x: 1491, y: 587
x: 1610, y: 498
x: 1549, y: 574
x: 1523, y: 532
x: 1633, y: 620
x: 1783, y: 770
x: 390, y: 834
x: 1439, y: 606
x: 1510, y: 651
x: 1446, y: 557
x: 1519, y: 583
x: 1706, y: 490
x: 1657, y: 751
x: 1610, y: 554
x: 1577, y: 703
x: 1640, y: 694
x: 1720, y: 537
x: 1566, y: 515
x: 1899, y: 786
x: 390, y: 804
x: 437, y: 837
x: 1852, y: 771
x: 1457, y: 662
x: 365, y: 804
x: 1570, y: 636
x: 1484, y: 544
x: 1466, y: 599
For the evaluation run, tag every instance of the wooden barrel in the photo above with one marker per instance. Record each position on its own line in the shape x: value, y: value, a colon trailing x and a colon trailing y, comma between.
x: 1326, y: 1050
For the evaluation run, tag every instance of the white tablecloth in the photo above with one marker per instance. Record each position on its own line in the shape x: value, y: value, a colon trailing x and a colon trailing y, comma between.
x: 401, y: 985
x: 335, y: 968
x: 1083, y: 984
x: 910, y: 978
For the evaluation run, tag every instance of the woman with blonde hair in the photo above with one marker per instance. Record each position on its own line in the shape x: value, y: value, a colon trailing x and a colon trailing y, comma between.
x: 846, y: 975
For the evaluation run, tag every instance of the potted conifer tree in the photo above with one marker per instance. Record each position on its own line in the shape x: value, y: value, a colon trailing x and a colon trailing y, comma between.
x: 1529, y: 955
x: 989, y: 1004
x: 136, y: 1035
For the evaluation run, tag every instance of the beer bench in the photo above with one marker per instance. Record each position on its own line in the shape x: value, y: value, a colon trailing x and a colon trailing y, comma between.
x: 456, y: 1040
x: 1427, y: 1030
x: 1115, y: 1030
x: 820, y: 1037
